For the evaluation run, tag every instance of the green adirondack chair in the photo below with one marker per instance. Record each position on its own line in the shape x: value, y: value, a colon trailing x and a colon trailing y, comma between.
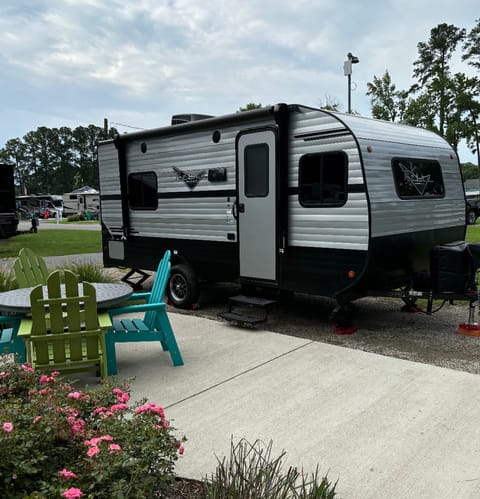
x: 10, y: 343
x: 153, y: 326
x: 30, y: 269
x: 65, y: 332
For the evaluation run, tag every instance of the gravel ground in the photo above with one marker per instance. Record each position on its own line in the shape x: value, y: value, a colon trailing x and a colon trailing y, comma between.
x: 383, y: 328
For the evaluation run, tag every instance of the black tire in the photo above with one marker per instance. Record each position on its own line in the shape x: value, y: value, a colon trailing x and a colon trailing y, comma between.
x: 471, y: 217
x: 182, y: 288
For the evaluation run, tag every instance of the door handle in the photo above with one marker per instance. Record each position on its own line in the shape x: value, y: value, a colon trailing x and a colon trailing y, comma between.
x: 237, y: 208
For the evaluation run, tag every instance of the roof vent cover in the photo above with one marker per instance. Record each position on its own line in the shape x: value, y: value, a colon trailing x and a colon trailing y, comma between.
x: 178, y: 119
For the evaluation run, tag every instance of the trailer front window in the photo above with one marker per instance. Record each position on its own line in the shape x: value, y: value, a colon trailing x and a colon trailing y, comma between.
x: 142, y: 191
x: 323, y: 179
x: 418, y: 178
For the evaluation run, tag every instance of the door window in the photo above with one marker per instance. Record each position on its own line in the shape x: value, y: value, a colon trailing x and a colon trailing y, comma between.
x: 256, y: 171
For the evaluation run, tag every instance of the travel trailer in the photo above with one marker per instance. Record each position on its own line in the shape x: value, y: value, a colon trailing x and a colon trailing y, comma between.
x: 285, y: 197
x: 82, y: 200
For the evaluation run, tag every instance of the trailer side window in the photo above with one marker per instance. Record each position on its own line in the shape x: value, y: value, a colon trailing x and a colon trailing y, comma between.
x: 256, y: 171
x: 323, y: 179
x: 142, y: 191
x: 418, y: 178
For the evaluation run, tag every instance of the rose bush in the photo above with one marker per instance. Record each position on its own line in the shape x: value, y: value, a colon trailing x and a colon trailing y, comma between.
x: 58, y: 441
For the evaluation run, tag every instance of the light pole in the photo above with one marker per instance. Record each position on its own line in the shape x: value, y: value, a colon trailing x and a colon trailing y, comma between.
x: 347, y: 71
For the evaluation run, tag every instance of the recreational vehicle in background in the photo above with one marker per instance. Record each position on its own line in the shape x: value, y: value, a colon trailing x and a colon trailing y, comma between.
x: 8, y: 216
x: 81, y: 201
x: 289, y: 198
x: 40, y: 205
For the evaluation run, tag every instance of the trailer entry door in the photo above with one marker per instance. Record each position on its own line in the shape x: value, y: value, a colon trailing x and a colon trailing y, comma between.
x: 257, y: 205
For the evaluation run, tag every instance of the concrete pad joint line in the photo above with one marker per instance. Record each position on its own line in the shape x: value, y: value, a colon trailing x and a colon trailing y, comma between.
x: 231, y: 378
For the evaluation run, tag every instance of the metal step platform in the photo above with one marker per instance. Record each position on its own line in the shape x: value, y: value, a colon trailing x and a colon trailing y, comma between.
x: 250, y: 310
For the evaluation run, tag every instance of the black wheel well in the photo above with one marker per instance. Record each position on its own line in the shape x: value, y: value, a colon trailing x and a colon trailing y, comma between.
x: 181, y: 260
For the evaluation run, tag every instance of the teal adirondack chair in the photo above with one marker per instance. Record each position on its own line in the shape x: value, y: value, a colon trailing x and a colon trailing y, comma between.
x: 153, y: 326
x: 65, y: 332
x: 10, y: 343
x: 30, y: 269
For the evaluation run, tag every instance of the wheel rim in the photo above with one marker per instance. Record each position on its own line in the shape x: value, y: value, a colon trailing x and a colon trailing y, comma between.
x: 178, y: 287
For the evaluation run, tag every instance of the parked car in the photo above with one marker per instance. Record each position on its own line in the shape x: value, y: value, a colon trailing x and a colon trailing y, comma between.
x: 473, y: 207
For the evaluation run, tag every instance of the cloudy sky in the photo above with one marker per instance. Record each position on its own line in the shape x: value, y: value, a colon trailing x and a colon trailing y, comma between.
x: 137, y: 62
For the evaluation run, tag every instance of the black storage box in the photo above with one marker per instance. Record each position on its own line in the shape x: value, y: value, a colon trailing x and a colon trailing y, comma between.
x: 451, y: 267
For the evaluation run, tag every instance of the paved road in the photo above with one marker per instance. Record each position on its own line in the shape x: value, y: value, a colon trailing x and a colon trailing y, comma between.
x: 25, y: 225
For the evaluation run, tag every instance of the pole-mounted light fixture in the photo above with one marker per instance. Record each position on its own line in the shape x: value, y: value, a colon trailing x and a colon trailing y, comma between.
x: 347, y: 71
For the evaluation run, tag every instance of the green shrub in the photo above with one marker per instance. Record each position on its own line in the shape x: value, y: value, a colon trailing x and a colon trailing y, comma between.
x: 76, y: 218
x: 90, y: 272
x: 252, y: 472
x: 56, y: 441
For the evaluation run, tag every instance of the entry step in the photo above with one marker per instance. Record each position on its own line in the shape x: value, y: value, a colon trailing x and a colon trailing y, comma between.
x: 247, y: 306
x: 253, y: 301
x: 242, y: 319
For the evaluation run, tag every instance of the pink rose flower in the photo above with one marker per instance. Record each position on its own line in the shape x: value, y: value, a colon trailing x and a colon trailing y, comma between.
x: 119, y: 407
x: 74, y: 395
x: 67, y: 474
x: 72, y: 493
x: 93, y: 451
x: 7, y: 427
x: 114, y: 448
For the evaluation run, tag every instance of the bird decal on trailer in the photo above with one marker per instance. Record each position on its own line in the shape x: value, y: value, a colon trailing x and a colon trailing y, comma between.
x: 190, y: 179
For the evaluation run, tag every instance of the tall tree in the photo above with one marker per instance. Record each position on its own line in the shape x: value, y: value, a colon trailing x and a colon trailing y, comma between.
x: 249, y: 107
x: 472, y: 46
x: 384, y: 98
x: 432, y: 68
x: 55, y: 160
x: 14, y: 153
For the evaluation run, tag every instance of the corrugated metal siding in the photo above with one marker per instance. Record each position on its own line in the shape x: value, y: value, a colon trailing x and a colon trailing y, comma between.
x: 392, y: 215
x: 110, y: 186
x: 344, y: 227
x: 206, y: 218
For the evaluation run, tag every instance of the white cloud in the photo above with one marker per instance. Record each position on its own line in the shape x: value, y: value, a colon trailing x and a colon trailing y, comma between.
x: 66, y: 62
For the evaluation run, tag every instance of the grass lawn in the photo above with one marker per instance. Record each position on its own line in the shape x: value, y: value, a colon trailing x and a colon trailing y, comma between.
x: 473, y: 234
x: 53, y: 243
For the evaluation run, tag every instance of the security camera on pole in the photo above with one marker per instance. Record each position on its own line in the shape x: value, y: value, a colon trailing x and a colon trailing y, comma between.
x: 347, y: 71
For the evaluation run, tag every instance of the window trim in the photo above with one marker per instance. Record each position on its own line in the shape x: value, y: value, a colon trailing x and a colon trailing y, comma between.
x: 317, y: 204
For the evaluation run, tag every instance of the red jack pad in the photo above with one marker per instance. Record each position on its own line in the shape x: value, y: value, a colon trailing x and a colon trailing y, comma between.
x: 469, y: 329
x: 412, y: 309
x: 344, y: 330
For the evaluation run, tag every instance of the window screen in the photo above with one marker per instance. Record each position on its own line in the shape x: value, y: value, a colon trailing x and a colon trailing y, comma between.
x: 323, y: 179
x: 256, y: 170
x: 418, y: 178
x: 142, y: 191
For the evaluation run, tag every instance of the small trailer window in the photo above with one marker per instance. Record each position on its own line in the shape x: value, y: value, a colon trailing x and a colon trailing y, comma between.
x: 418, y: 178
x: 142, y: 191
x: 256, y: 171
x: 323, y: 179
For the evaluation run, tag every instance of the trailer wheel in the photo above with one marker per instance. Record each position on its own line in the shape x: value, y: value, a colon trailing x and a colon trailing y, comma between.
x: 471, y: 217
x: 182, y: 289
